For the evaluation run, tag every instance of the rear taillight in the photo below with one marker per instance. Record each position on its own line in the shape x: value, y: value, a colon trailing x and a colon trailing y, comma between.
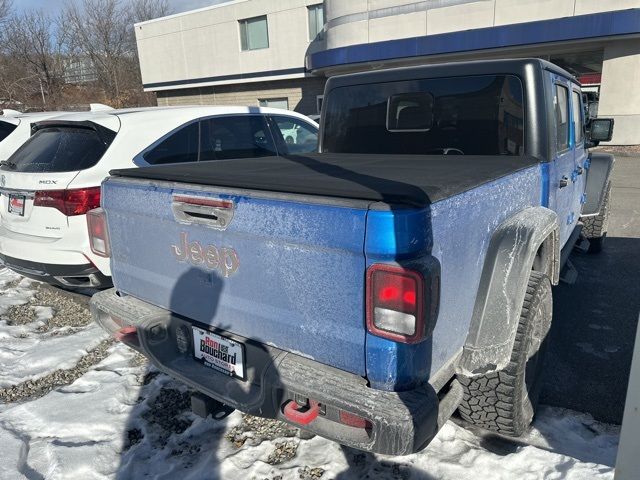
x: 98, y: 234
x: 70, y: 202
x: 395, y: 303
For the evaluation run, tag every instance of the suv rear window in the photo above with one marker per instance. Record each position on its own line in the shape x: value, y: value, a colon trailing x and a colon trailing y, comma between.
x: 6, y: 129
x: 59, y: 149
x: 473, y: 115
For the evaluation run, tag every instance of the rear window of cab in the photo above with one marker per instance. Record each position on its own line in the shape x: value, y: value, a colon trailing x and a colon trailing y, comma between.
x: 467, y: 115
x: 59, y: 149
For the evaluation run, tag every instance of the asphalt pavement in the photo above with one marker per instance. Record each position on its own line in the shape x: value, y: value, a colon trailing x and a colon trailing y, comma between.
x: 594, y: 323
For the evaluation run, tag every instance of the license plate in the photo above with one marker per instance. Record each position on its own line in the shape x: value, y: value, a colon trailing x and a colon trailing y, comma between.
x: 218, y: 352
x: 16, y: 205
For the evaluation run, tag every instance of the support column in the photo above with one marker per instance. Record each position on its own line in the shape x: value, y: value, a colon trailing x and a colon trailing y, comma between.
x: 619, y: 93
x: 628, y: 463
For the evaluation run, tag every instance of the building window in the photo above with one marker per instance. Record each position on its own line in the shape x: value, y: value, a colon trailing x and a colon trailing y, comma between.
x: 275, y: 103
x: 319, y: 100
x: 316, y: 21
x: 254, y: 33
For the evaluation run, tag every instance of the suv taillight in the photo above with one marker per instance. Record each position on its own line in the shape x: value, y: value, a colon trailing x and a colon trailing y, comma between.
x: 395, y: 303
x: 70, y: 202
x: 98, y: 233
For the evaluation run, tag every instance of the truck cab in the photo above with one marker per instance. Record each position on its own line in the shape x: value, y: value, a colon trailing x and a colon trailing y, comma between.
x: 368, y: 291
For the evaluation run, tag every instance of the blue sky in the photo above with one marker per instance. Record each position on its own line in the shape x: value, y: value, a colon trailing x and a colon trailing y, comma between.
x: 55, y: 5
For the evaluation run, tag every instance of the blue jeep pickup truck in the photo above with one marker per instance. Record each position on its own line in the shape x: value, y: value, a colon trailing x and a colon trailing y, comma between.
x: 369, y: 291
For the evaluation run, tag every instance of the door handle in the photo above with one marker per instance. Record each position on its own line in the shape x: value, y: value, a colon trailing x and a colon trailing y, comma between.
x: 579, y: 170
x: 564, y: 181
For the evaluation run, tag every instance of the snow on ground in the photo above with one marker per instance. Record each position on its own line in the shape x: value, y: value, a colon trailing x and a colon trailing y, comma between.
x: 29, y: 347
x: 118, y: 418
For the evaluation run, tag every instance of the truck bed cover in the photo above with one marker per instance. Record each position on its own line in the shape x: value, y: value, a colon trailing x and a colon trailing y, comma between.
x: 414, y: 180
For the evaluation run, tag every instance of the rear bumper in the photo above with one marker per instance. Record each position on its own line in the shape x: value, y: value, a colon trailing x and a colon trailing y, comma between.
x: 399, y: 423
x: 67, y: 276
x: 71, y: 249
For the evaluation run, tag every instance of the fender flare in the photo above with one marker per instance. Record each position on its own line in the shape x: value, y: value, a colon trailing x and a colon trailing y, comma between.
x: 598, y: 177
x: 510, y: 257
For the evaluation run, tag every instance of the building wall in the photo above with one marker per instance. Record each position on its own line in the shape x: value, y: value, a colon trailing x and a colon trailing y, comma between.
x: 619, y: 95
x: 205, y: 44
x: 361, y: 22
x: 302, y: 94
x: 365, y: 21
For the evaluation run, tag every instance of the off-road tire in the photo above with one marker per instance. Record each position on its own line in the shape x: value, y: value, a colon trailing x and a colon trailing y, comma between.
x: 504, y: 401
x: 595, y: 228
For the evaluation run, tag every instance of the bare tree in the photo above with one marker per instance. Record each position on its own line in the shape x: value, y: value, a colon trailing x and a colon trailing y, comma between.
x: 102, y: 31
x: 35, y: 55
x: 98, y: 31
x: 39, y: 54
x: 5, y: 9
x: 149, y: 9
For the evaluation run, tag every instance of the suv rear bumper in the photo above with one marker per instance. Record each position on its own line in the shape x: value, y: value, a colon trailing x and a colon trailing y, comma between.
x: 398, y: 423
x: 67, y: 276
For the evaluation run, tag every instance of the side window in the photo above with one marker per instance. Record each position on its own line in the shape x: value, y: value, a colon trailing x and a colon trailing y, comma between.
x: 561, y: 106
x: 577, y: 118
x: 6, y: 129
x: 241, y: 136
x: 180, y: 147
x: 299, y: 136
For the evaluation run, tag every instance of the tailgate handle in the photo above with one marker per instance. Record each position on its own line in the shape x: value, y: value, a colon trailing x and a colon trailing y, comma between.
x: 209, y: 212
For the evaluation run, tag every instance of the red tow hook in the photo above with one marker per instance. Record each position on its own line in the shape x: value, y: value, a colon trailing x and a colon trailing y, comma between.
x: 302, y: 415
x: 127, y: 334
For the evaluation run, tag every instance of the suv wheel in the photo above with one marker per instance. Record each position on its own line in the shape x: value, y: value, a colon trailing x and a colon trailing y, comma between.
x: 504, y: 401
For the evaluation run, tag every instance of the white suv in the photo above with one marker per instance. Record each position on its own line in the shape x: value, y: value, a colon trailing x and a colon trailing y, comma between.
x: 49, y: 184
x: 15, y: 129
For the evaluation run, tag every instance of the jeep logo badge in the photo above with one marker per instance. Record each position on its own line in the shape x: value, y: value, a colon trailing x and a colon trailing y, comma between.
x: 223, y: 260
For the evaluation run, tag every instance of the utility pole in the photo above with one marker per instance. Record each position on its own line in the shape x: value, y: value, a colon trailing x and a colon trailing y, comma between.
x: 44, y: 101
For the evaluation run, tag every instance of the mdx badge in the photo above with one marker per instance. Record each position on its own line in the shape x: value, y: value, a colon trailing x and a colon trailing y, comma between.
x: 223, y: 260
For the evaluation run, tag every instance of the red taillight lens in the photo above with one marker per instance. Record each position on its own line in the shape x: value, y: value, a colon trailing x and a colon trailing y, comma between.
x: 98, y: 234
x: 395, y: 303
x: 70, y: 202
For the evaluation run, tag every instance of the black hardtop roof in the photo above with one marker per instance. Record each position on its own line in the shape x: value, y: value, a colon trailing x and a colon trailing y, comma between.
x: 517, y: 66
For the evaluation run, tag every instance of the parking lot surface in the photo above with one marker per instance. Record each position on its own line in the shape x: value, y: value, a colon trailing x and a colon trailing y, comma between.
x: 595, y: 320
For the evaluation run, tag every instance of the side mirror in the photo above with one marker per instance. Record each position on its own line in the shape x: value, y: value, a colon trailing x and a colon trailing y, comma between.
x: 601, y: 130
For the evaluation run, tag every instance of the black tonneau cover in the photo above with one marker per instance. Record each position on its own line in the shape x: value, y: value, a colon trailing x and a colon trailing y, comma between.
x: 415, y: 180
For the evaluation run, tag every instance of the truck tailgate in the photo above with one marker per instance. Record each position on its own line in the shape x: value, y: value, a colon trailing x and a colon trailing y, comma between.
x: 286, y: 273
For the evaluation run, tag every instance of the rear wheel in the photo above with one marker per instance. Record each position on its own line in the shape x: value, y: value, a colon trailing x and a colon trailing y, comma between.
x: 504, y: 401
x: 595, y: 228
